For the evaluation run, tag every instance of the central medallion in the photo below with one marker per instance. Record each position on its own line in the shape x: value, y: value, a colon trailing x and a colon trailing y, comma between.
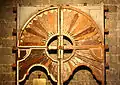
x: 53, y: 47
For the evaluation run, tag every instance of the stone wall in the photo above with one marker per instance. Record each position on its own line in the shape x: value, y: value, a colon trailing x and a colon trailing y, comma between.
x: 83, y: 77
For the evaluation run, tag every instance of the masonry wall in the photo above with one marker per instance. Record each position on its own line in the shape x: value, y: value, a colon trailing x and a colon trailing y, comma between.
x: 82, y: 77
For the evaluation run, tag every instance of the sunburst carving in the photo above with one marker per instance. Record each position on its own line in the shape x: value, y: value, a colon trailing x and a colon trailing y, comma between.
x: 82, y: 43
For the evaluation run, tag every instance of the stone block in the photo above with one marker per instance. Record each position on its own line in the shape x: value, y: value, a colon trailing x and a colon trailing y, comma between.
x: 25, y: 2
x: 112, y: 15
x: 8, y: 42
x: 5, y: 31
x: 112, y: 42
x: 118, y: 24
x: 7, y: 59
x: 12, y: 76
x: 111, y: 24
x: 114, y: 74
x: 118, y: 50
x: 61, y: 1
x: 113, y: 49
x: 40, y: 2
x: 119, y: 73
x: 0, y: 42
x: 118, y: 82
x: 118, y: 15
x: 0, y: 77
x: 111, y: 1
x: 1, y: 83
x: 107, y: 40
x: 112, y: 8
x: 107, y: 75
x: 13, y: 82
x: 5, y: 51
x: 118, y: 59
x: 34, y: 2
x: 98, y: 1
x: 8, y: 2
x: 8, y: 77
x: 107, y: 22
x: 108, y: 83
x: 6, y: 68
x: 113, y: 82
x: 6, y: 28
x: 7, y: 83
x: 113, y: 58
x: 84, y: 1
x: 6, y: 13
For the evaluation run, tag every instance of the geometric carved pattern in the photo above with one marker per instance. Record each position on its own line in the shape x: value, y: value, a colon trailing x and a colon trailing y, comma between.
x: 60, y: 39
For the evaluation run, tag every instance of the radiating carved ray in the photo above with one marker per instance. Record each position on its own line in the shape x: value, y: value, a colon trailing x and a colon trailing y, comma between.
x: 75, y: 18
x: 50, y: 67
x: 48, y: 63
x: 30, y: 30
x: 97, y: 53
x: 76, y: 26
x: 32, y: 43
x: 32, y: 38
x: 86, y: 53
x: 86, y: 36
x: 41, y: 21
x: 82, y: 31
x: 44, y: 22
x: 67, y: 71
x: 53, y: 69
x: 93, y: 40
x: 67, y: 19
x: 64, y: 73
x: 30, y: 62
x: 78, y: 60
x: 91, y: 58
x: 98, y: 74
x: 90, y: 42
x: 37, y: 24
x: 82, y: 47
x: 44, y: 61
x: 81, y: 23
x: 52, y: 20
x: 66, y: 65
x: 45, y: 13
x: 71, y: 66
x: 90, y: 61
x: 74, y: 60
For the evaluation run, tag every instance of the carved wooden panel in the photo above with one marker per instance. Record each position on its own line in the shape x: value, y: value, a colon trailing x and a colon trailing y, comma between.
x: 60, y: 39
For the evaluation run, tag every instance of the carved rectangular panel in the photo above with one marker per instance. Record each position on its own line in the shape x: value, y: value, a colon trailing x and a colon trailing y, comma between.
x: 59, y: 39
